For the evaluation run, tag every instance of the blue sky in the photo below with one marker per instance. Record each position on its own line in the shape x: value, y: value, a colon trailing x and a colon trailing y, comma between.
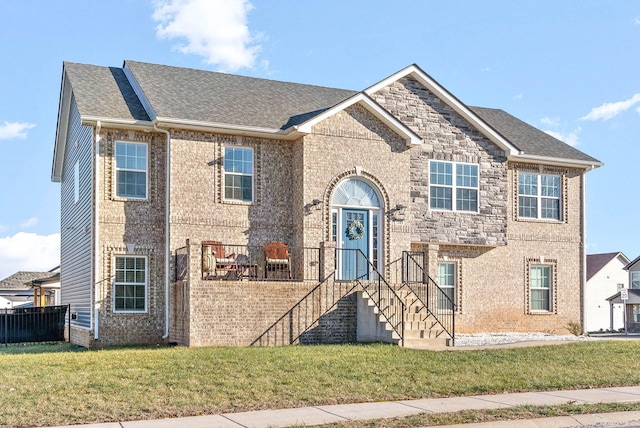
x: 570, y: 68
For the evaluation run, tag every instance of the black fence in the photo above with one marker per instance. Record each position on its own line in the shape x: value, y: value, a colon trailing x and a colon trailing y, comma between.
x: 39, y: 324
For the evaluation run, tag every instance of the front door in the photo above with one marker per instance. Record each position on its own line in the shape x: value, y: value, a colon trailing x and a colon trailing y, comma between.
x: 355, y: 236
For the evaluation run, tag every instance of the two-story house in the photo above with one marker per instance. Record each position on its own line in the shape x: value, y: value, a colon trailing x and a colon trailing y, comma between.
x: 402, y: 214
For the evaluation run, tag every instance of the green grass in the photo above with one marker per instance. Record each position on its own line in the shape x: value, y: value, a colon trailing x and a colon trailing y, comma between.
x: 489, y: 415
x: 67, y: 386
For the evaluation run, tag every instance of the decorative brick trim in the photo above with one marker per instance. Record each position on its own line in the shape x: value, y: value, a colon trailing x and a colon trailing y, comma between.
x: 352, y: 173
x: 256, y: 145
x: 541, y: 169
x: 528, y: 262
x: 457, y: 262
x: 106, y: 289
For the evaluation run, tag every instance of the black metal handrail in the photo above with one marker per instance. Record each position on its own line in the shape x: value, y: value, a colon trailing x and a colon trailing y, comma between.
x: 390, y: 306
x: 250, y: 262
x: 298, y: 320
x: 428, y: 292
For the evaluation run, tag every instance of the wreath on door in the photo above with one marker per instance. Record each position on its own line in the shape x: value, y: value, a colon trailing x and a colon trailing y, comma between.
x: 355, y: 230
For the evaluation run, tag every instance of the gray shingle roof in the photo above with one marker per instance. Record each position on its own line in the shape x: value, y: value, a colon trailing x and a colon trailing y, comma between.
x: 205, y: 96
x: 184, y: 94
x: 529, y: 139
x: 104, y: 92
x: 595, y: 262
x: 18, y: 279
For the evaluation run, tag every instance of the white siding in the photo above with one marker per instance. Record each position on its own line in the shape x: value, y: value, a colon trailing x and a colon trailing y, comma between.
x: 602, y: 285
x: 76, y: 229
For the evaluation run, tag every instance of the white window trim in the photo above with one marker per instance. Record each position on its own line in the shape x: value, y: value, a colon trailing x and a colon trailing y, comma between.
x: 454, y: 187
x: 116, y: 169
x: 539, y: 198
x: 252, y: 175
x: 146, y: 285
x: 552, y: 287
x: 454, y: 287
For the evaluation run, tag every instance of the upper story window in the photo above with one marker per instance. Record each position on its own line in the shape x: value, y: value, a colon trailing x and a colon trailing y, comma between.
x: 238, y: 174
x: 453, y: 186
x: 539, y: 196
x: 635, y: 280
x: 130, y: 285
x: 131, y: 170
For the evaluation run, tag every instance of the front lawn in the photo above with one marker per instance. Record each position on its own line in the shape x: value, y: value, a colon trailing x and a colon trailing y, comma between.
x: 65, y: 387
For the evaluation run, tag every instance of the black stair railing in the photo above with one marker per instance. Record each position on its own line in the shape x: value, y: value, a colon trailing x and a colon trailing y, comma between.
x: 306, y: 313
x: 436, y: 301
x: 353, y: 265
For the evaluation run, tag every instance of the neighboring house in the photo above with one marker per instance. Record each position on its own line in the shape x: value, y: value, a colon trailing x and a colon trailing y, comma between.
x: 18, y: 289
x: 173, y: 181
x: 605, y: 277
x: 631, y: 304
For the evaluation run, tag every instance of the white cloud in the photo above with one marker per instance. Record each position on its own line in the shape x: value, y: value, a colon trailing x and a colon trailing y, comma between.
x: 636, y: 20
x: 29, y: 223
x: 571, y: 138
x: 550, y: 121
x: 28, y: 252
x: 609, y: 110
x: 518, y: 97
x: 214, y: 29
x: 11, y: 130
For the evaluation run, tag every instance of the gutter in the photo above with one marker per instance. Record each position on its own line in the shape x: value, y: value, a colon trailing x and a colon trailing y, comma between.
x: 167, y: 251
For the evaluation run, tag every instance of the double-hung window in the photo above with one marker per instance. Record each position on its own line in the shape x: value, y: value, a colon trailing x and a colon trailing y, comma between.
x: 540, y: 288
x: 238, y: 174
x: 635, y: 280
x: 130, y: 285
x: 539, y: 196
x: 131, y: 170
x: 453, y: 186
x: 447, y: 283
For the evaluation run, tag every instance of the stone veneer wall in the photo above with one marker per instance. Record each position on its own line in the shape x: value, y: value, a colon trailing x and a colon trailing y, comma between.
x: 448, y: 137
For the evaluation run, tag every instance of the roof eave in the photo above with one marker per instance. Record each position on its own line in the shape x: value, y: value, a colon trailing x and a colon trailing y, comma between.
x: 571, y: 163
x: 453, y: 102
x: 64, y: 108
x: 254, y: 131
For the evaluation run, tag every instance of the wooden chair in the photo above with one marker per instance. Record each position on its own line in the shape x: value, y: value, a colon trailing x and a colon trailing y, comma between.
x: 215, y: 262
x: 277, y: 260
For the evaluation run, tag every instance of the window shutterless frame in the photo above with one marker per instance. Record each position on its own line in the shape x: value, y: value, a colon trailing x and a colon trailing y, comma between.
x: 130, y: 285
x: 539, y: 196
x: 454, y: 186
x: 132, y: 166
x: 237, y: 172
x: 540, y: 288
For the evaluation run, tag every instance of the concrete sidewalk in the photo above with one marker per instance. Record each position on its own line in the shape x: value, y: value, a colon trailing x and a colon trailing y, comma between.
x: 317, y: 415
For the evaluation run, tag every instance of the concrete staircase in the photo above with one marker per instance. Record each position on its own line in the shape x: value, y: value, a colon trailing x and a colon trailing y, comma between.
x: 421, y: 330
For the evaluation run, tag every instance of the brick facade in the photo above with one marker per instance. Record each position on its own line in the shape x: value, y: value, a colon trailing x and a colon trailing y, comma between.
x: 492, y: 248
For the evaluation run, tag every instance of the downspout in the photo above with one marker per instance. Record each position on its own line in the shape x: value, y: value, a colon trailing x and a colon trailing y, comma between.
x: 167, y: 250
x: 96, y: 290
x: 583, y: 269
